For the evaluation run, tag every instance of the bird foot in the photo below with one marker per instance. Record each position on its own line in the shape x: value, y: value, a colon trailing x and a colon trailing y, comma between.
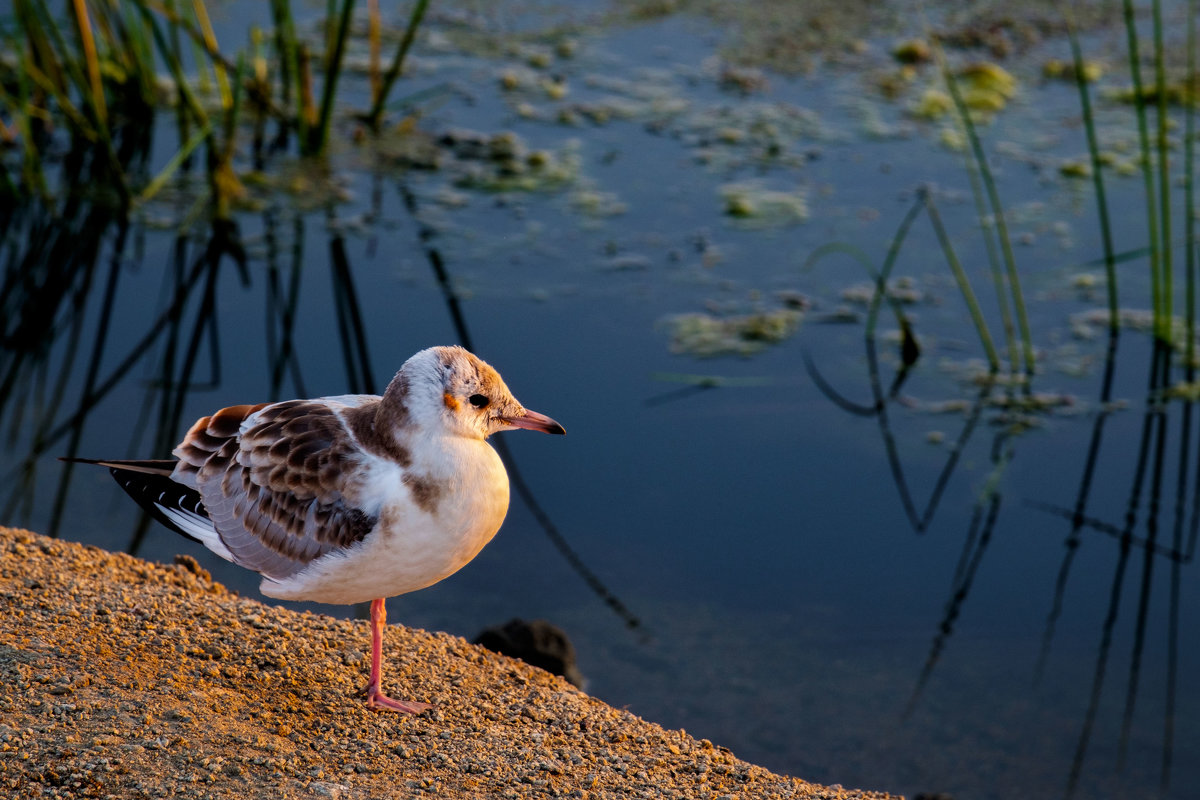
x: 380, y: 701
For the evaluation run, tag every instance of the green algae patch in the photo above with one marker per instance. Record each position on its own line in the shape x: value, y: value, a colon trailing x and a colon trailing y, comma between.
x: 753, y: 204
x: 1059, y: 70
x: 932, y: 104
x: 707, y: 335
x: 986, y: 86
x: 912, y: 51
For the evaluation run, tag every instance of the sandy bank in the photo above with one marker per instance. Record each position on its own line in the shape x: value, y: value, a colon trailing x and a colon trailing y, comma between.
x: 122, y: 678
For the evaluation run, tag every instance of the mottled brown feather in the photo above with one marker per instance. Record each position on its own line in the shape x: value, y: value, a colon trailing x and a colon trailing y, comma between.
x: 425, y: 492
x: 373, y: 425
x: 286, y: 475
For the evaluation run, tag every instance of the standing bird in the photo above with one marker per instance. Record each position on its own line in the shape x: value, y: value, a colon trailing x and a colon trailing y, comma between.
x: 350, y: 498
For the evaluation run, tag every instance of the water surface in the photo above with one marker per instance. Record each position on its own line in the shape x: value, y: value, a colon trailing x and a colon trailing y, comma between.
x: 789, y: 607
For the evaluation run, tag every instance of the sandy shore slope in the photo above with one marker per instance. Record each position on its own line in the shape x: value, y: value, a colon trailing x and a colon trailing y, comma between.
x: 126, y: 679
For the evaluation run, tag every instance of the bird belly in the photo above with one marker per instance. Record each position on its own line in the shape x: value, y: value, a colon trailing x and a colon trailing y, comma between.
x: 411, y: 547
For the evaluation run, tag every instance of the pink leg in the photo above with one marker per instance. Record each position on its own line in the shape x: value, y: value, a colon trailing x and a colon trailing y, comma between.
x: 375, y: 696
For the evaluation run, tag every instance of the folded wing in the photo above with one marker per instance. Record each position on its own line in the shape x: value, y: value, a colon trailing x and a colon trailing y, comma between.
x: 274, y: 483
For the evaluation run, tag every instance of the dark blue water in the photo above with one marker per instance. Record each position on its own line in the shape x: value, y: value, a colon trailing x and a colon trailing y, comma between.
x: 792, y: 611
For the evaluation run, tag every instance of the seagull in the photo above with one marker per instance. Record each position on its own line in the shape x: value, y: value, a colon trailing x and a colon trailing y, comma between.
x: 351, y: 498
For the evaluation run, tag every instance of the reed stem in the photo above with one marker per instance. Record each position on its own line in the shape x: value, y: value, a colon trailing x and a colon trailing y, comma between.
x: 1165, y: 314
x: 964, y: 284
x: 1152, y: 225
x: 981, y: 183
x: 1189, y: 198
x: 376, y: 113
x: 1089, y: 126
x: 88, y: 43
x: 319, y: 137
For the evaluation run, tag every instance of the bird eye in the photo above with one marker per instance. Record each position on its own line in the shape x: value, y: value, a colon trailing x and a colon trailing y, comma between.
x: 478, y: 400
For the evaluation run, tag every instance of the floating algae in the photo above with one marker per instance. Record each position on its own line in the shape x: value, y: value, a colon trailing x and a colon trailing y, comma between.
x: 757, y: 206
x: 986, y: 86
x: 902, y: 289
x: 502, y: 162
x: 912, y: 51
x: 932, y: 104
x: 706, y: 335
x: 1057, y: 69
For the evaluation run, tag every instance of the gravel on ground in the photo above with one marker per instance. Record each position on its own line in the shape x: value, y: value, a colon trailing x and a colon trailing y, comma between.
x: 121, y: 678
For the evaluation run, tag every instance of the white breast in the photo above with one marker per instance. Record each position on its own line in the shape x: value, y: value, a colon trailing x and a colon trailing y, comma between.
x: 411, y: 547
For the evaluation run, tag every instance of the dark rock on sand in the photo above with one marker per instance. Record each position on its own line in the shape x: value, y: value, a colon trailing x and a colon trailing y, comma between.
x: 539, y: 643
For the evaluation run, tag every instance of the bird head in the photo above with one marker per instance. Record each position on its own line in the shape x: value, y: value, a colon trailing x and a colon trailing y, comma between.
x: 466, y: 396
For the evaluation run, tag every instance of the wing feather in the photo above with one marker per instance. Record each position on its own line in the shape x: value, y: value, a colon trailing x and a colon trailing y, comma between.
x: 278, y: 482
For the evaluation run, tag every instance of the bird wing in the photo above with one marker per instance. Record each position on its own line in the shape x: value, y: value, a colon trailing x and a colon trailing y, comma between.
x: 278, y: 481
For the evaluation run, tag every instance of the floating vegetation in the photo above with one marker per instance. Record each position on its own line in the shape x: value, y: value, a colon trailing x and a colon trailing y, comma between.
x: 792, y: 38
x: 1075, y: 169
x: 1188, y: 391
x: 986, y: 86
x: 533, y: 95
x: 707, y: 335
x: 932, y: 104
x: 1181, y: 92
x: 728, y: 136
x: 901, y: 290
x: 627, y: 262
x: 595, y: 203
x: 912, y: 51
x: 495, y: 162
x: 1090, y: 324
x: 502, y: 162
x: 1087, y: 283
x: 410, y: 148
x: 519, y: 78
x: 1059, y: 70
x: 952, y: 138
x: 743, y: 80
x: 752, y: 203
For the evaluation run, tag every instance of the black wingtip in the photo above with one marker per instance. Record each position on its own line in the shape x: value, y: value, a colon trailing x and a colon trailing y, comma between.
x: 154, y: 490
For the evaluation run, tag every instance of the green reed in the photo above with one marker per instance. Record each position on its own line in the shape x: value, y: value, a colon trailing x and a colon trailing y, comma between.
x: 92, y: 69
x: 335, y: 48
x: 1153, y: 125
x: 963, y: 283
x: 380, y: 100
x: 1162, y: 323
x: 1164, y: 312
x: 988, y: 205
x: 1089, y: 126
x: 1189, y: 207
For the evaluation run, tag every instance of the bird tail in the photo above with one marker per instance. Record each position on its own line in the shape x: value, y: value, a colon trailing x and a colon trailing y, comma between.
x: 150, y: 484
x: 163, y: 466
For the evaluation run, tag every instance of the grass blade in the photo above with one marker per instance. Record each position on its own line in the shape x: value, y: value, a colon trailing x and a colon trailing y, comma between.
x: 319, y: 137
x: 964, y: 284
x: 410, y: 33
x: 173, y: 165
x: 84, y: 27
x: 1165, y: 314
x: 1139, y: 103
x: 984, y: 173
x: 1089, y: 126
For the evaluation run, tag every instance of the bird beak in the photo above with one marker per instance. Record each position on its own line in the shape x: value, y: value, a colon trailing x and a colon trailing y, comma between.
x: 533, y: 421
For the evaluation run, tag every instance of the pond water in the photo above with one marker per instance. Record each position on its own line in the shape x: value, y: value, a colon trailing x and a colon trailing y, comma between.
x: 790, y: 607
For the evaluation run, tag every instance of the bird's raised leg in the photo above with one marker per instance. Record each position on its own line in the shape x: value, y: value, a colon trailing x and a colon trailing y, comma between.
x: 375, y: 696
